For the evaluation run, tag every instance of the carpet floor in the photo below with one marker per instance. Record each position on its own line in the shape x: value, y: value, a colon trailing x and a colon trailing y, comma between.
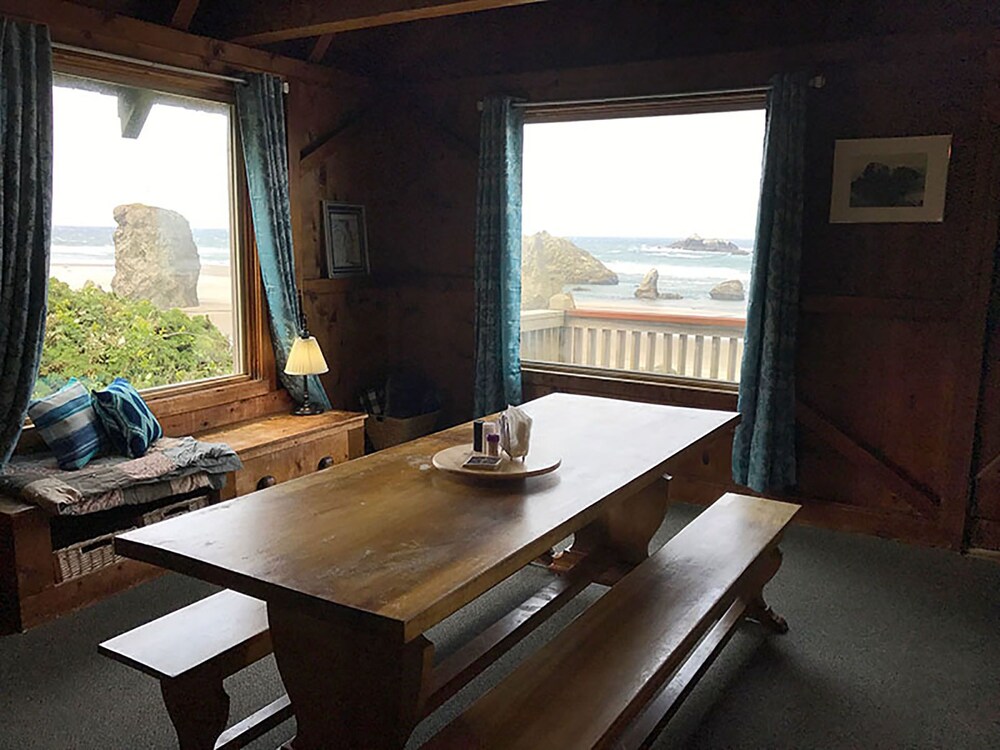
x: 890, y: 646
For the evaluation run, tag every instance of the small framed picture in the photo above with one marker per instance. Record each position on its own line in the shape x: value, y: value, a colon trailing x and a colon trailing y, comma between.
x: 346, y: 239
x: 890, y: 179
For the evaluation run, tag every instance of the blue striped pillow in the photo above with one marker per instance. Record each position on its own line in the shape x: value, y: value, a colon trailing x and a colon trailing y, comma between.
x: 68, y: 424
x: 130, y: 424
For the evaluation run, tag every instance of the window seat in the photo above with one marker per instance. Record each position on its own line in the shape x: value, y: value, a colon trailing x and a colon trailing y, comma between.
x: 58, y: 559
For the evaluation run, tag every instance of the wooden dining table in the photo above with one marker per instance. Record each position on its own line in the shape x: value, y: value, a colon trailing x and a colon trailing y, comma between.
x: 358, y: 561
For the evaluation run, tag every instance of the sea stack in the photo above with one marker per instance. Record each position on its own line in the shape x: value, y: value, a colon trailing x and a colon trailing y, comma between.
x: 699, y: 244
x: 728, y: 290
x: 155, y: 257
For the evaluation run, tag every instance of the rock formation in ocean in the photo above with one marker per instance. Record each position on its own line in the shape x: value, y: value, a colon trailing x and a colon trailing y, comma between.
x: 562, y: 301
x: 694, y: 242
x: 155, y: 257
x: 548, y: 263
x: 648, y: 288
x: 728, y: 290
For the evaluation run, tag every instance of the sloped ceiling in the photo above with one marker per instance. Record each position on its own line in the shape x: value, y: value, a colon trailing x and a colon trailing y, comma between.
x: 543, y: 34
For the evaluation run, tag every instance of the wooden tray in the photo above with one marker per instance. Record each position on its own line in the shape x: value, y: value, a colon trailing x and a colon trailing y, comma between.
x: 451, y: 460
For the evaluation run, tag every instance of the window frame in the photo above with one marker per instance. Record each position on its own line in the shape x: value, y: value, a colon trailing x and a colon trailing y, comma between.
x: 259, y: 376
x: 610, y: 109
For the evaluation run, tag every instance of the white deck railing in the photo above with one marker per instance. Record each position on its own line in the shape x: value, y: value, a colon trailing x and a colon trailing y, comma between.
x: 684, y: 345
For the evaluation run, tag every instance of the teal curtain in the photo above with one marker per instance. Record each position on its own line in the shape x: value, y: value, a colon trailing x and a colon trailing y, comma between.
x: 498, y: 257
x: 764, y: 445
x: 25, y: 216
x: 260, y: 107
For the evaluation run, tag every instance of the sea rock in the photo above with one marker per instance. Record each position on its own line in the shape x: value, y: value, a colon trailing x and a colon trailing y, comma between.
x: 155, y: 257
x: 562, y: 301
x: 538, y: 284
x: 694, y: 242
x: 728, y: 290
x: 549, y: 263
x: 648, y: 288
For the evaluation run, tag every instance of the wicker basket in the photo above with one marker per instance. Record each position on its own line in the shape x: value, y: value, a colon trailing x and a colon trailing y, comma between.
x: 385, y: 432
x: 176, y: 509
x: 85, y: 557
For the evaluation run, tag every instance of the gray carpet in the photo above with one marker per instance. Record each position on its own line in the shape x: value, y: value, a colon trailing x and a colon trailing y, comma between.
x: 890, y: 646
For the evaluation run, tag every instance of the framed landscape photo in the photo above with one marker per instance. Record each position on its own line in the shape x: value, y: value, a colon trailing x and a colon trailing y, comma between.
x: 346, y: 239
x: 890, y: 179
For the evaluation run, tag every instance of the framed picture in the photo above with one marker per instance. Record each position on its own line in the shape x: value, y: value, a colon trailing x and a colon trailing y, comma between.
x: 346, y: 239
x: 890, y: 179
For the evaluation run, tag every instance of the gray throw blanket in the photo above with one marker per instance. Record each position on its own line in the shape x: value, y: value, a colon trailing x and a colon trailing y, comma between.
x: 172, y: 466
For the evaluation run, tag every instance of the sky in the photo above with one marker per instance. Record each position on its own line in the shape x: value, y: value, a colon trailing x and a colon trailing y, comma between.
x: 180, y: 161
x: 666, y: 176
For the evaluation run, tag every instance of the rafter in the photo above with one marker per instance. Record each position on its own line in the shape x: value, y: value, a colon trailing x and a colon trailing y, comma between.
x: 268, y: 21
x: 319, y: 49
x: 184, y: 14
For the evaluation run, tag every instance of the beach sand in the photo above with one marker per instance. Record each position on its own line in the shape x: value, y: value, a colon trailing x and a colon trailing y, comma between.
x: 215, y: 289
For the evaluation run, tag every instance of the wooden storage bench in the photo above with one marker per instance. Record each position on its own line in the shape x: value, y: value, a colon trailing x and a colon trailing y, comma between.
x: 52, y: 565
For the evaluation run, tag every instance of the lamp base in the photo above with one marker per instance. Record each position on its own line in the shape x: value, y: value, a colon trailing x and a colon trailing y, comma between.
x: 307, y: 410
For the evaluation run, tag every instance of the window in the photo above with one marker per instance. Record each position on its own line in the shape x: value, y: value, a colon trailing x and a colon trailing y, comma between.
x: 638, y: 240
x: 145, y: 272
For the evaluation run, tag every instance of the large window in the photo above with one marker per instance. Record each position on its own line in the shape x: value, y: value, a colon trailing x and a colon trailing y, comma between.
x: 638, y: 241
x: 144, y: 270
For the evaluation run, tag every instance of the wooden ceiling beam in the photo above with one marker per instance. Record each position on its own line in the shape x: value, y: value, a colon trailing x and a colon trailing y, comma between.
x: 184, y: 14
x: 269, y: 21
x: 320, y: 48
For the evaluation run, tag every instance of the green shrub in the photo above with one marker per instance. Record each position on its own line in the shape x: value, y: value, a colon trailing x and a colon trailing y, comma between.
x: 97, y: 336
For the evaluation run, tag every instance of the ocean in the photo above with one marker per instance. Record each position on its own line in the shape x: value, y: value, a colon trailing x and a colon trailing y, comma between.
x: 94, y: 246
x: 690, y: 273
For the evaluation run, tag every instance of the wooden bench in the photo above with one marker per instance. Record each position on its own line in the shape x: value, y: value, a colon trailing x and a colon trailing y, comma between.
x: 618, y: 672
x: 191, y: 651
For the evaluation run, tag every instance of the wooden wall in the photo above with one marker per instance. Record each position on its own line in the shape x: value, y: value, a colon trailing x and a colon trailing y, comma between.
x: 984, y: 512
x: 891, y: 343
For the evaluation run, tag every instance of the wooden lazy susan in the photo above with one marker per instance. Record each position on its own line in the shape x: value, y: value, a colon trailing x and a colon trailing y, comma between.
x: 451, y: 459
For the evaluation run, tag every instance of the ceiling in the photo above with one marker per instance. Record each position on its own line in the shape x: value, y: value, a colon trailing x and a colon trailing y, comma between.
x: 434, y: 39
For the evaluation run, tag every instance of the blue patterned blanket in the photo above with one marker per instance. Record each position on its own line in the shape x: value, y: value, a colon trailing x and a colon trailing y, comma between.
x: 172, y: 466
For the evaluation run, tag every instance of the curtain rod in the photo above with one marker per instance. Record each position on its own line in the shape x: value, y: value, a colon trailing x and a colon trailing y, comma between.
x: 150, y: 64
x: 816, y: 82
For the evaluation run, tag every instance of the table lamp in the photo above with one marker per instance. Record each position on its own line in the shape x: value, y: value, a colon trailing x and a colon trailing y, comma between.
x: 306, y: 358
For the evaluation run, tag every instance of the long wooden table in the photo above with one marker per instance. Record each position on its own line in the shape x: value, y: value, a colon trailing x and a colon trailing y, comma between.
x: 357, y: 562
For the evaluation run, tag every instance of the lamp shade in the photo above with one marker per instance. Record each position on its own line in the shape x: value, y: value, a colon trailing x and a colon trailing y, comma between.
x: 305, y: 358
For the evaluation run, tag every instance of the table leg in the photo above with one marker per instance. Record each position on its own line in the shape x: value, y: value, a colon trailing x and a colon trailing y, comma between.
x: 351, y: 685
x: 628, y: 527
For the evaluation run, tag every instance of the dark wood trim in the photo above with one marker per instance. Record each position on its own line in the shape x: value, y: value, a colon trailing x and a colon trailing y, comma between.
x: 920, y: 497
x: 539, y: 380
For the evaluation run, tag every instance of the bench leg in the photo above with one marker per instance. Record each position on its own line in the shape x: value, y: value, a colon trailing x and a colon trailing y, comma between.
x: 757, y: 609
x: 198, y: 709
